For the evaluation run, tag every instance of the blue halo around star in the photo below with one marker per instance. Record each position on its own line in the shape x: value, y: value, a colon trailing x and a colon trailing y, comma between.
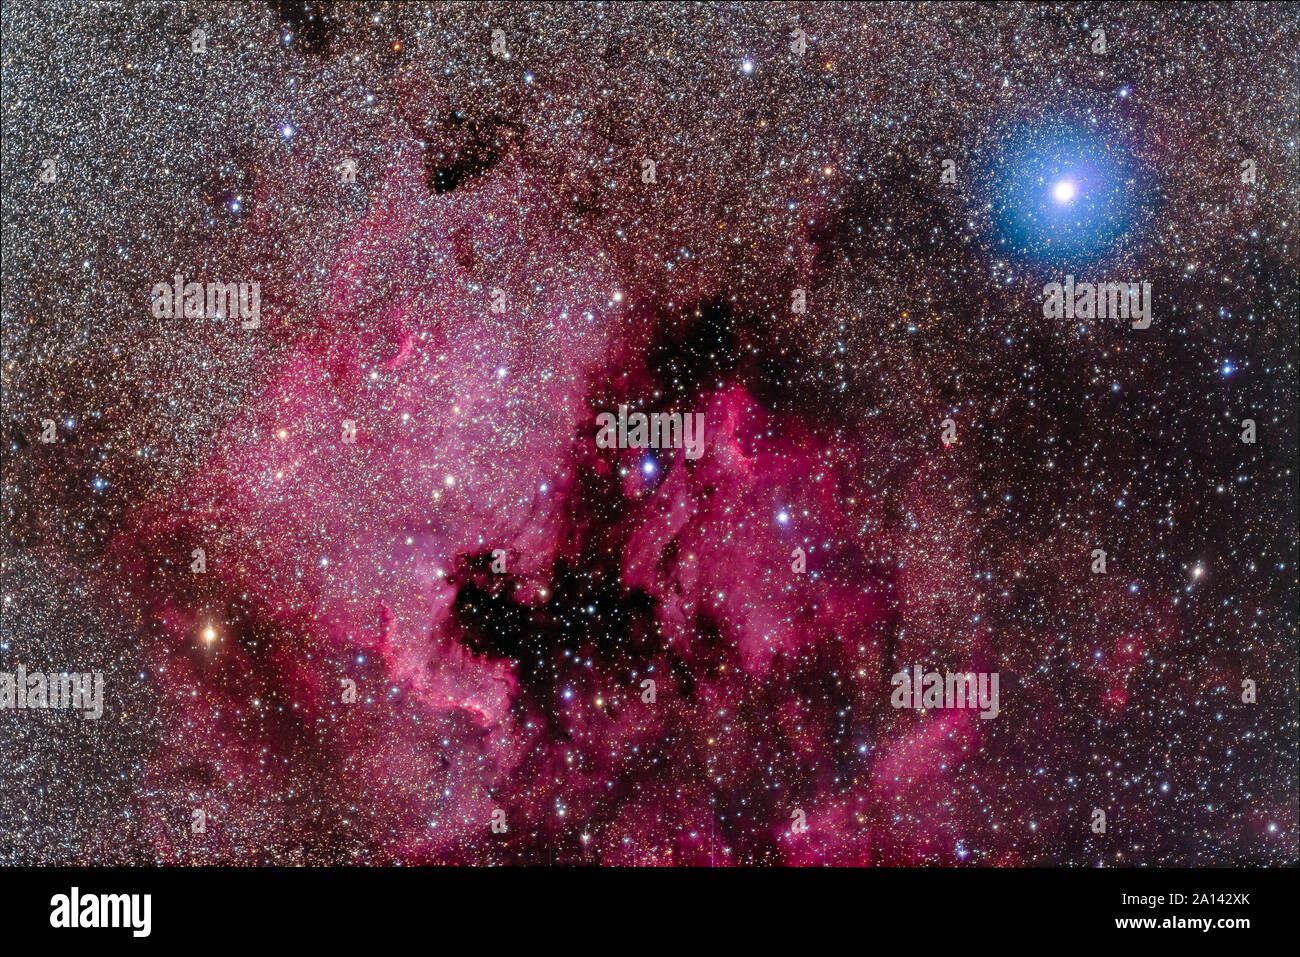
x: 1060, y: 194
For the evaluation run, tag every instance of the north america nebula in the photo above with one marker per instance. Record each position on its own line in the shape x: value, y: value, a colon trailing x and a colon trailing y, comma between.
x: 363, y: 584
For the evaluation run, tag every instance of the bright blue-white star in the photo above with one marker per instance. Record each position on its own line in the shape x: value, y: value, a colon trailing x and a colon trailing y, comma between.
x: 1065, y: 190
x: 1062, y: 193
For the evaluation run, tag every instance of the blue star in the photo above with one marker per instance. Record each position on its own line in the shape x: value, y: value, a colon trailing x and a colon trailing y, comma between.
x: 1063, y: 194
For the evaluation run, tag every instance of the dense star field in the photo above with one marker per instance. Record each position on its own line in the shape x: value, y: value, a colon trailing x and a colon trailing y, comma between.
x: 435, y: 620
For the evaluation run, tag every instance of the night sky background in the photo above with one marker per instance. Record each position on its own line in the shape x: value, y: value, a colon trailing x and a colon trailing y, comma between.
x: 521, y: 690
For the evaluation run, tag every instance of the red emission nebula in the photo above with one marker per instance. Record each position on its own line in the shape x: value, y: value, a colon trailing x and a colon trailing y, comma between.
x: 368, y: 585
